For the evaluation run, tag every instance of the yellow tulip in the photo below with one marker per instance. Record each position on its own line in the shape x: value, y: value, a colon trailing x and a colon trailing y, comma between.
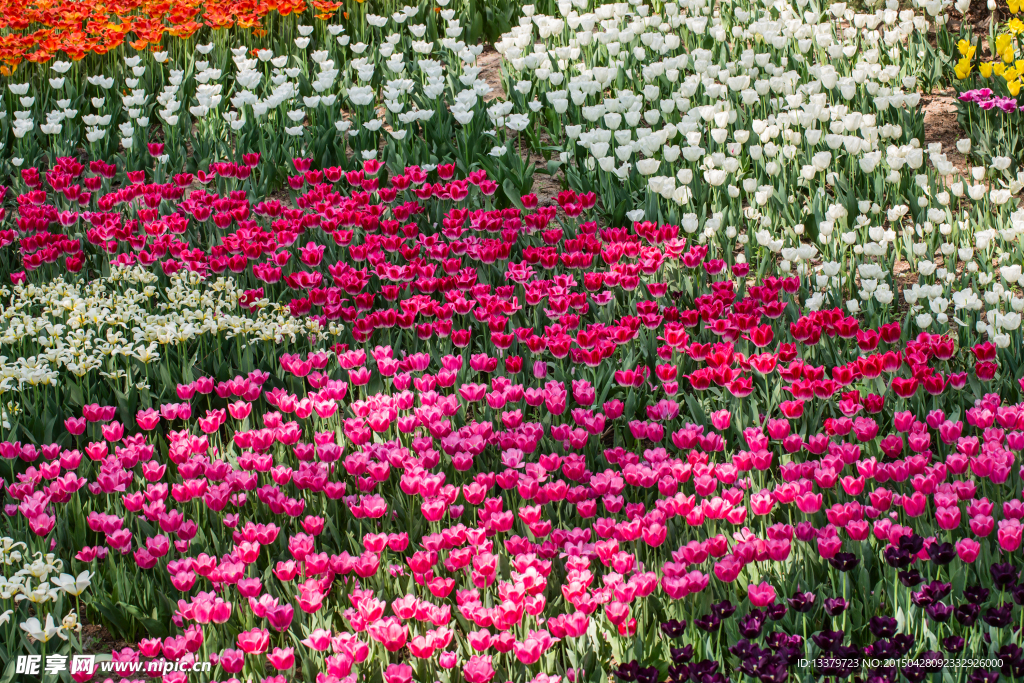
x: 998, y: 68
x: 1014, y: 87
x: 1004, y: 42
x: 1010, y: 74
x: 963, y: 68
x: 985, y: 69
x: 965, y: 48
x: 1015, y: 26
x: 1014, y: 6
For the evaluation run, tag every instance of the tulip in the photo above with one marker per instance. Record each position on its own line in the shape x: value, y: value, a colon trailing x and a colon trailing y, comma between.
x: 254, y: 641
x: 281, y: 659
x: 280, y: 617
x: 232, y: 661
x: 1009, y: 534
x: 761, y: 595
x: 968, y: 549
x: 478, y: 669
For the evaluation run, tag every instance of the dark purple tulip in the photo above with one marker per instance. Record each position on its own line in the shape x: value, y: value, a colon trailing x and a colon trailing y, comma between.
x: 776, y: 611
x: 910, y: 578
x: 976, y: 594
x: 897, y: 558
x: 681, y: 655
x: 942, y: 553
x: 709, y: 622
x: 627, y: 671
x: 842, y: 662
x: 915, y: 672
x: 802, y: 602
x: 881, y: 676
x: 706, y: 667
x: 912, y: 544
x: 751, y: 623
x: 967, y: 614
x: 983, y: 676
x: 835, y: 606
x: 724, y: 609
x: 929, y: 659
x: 998, y: 617
x: 938, y: 589
x: 827, y: 640
x: 930, y: 593
x: 673, y: 628
x: 744, y: 650
x: 844, y: 562
x: 773, y: 672
x: 953, y: 644
x: 1012, y: 660
x: 1003, y: 575
x: 939, y: 612
x: 792, y: 653
x: 883, y: 627
x: 678, y: 673
x: 647, y: 674
x: 922, y: 598
x: 881, y: 649
x: 776, y: 639
x: 750, y: 664
x: 903, y: 642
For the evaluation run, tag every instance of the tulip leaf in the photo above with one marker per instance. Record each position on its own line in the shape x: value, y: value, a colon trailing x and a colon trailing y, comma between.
x: 512, y: 192
x: 630, y: 408
x: 48, y: 432
x: 9, y: 671
x: 696, y: 410
x: 74, y: 395
x: 154, y: 627
x: 111, y: 614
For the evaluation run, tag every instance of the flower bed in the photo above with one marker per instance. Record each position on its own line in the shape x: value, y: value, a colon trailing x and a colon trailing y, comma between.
x: 311, y: 385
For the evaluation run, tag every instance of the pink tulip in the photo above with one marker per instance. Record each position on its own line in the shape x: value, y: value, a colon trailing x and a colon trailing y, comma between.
x: 478, y: 669
x: 968, y: 549
x: 254, y: 641
x: 282, y: 659
x: 761, y: 595
x: 1009, y: 534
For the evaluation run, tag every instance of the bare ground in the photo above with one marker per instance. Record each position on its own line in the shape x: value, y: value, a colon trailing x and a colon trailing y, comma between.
x: 490, y: 64
x: 98, y: 640
x: 546, y: 187
x: 940, y: 125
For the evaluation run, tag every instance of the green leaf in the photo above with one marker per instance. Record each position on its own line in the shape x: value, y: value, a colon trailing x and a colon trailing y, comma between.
x: 74, y: 395
x: 154, y: 628
x: 619, y: 214
x: 8, y: 674
x: 112, y: 615
x: 512, y: 192
x: 696, y: 410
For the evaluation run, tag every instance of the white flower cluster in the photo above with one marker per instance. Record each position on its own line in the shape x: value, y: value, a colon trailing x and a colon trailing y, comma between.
x: 823, y: 114
x: 110, y: 323
x: 40, y: 581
